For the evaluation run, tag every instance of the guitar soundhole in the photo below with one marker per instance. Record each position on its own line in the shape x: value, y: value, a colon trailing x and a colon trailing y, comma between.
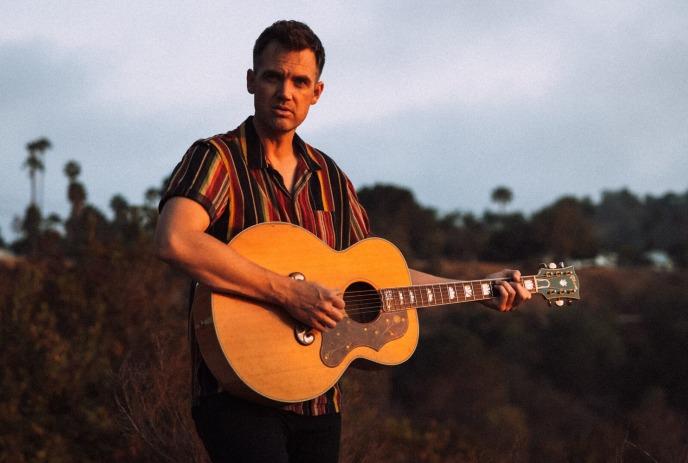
x: 363, y: 303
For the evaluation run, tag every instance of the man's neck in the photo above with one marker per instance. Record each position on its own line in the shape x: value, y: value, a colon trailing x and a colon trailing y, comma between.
x: 278, y: 150
x: 277, y: 146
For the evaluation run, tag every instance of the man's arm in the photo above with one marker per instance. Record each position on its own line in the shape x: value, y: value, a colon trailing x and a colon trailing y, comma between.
x: 511, y: 292
x: 180, y: 240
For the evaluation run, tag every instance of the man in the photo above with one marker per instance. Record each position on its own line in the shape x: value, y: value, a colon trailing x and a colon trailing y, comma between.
x: 262, y: 171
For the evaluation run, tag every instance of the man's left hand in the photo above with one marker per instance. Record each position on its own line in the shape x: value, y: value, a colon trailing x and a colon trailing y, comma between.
x: 511, y: 291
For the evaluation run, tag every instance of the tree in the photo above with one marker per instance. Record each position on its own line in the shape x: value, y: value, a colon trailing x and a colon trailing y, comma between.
x: 502, y: 196
x: 565, y: 229
x: 31, y: 229
x: 119, y: 206
x: 72, y: 170
x: 34, y: 162
x: 396, y: 215
x: 53, y: 221
x: 76, y: 193
x: 618, y: 221
x: 151, y: 197
x: 121, y: 222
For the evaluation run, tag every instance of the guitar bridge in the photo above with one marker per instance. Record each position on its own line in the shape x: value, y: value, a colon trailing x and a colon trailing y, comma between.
x: 304, y: 335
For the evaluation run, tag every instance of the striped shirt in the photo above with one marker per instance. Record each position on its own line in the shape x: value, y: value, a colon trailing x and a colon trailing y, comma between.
x: 231, y: 178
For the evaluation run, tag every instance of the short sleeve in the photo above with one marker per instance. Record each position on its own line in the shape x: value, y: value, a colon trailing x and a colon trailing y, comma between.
x: 201, y: 176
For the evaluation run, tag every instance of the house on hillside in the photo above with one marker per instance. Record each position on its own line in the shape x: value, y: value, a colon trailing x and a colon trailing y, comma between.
x: 606, y: 260
x: 660, y: 260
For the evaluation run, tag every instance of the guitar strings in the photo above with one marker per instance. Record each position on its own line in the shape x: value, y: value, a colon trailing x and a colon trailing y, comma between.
x: 370, y: 300
x: 443, y: 288
x: 374, y: 304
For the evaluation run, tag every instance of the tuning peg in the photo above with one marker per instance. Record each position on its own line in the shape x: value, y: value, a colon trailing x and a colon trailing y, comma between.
x: 562, y: 265
x: 543, y: 265
x: 559, y: 302
x: 552, y: 265
x: 569, y: 302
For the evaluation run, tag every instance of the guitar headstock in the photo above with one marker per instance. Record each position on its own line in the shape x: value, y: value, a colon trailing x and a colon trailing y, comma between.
x: 558, y: 284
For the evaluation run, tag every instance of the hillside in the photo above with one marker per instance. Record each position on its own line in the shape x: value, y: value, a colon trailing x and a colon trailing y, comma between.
x: 95, y: 368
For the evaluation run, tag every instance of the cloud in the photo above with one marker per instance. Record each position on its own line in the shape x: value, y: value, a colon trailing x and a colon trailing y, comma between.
x: 449, y: 98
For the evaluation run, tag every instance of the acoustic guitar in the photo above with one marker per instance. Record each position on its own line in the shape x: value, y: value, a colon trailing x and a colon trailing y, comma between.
x: 259, y: 352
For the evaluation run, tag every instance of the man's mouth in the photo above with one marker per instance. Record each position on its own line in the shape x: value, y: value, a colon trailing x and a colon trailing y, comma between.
x: 281, y: 110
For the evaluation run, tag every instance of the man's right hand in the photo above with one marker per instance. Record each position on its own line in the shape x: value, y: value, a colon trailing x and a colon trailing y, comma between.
x: 314, y: 305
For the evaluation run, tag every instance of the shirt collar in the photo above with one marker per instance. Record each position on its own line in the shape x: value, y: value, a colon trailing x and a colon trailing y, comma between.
x: 255, y: 157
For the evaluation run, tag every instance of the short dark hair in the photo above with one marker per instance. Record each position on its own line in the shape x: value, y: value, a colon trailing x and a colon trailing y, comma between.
x: 293, y: 36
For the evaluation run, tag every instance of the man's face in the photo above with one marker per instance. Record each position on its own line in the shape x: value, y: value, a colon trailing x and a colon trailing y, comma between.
x: 284, y: 86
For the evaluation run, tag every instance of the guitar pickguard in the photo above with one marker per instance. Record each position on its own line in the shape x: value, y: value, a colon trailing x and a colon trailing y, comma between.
x: 350, y: 334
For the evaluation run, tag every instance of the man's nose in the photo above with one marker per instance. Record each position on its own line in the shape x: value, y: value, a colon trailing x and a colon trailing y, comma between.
x: 285, y: 90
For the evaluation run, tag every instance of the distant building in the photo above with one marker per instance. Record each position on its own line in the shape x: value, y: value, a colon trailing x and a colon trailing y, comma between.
x: 660, y: 260
x: 607, y: 260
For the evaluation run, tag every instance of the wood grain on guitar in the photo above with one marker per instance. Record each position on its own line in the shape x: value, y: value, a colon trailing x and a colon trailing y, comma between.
x: 258, y: 352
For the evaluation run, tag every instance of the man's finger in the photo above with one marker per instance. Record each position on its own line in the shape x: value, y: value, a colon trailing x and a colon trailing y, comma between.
x: 338, y: 302
x: 335, y: 313
x: 315, y: 323
x: 523, y: 293
x: 510, y: 295
x: 503, y: 297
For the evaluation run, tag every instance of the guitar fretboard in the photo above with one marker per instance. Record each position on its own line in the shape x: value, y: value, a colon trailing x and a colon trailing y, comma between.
x: 455, y: 292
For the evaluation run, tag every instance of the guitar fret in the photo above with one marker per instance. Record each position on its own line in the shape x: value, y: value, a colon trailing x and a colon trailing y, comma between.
x: 438, y: 295
x: 431, y: 295
x: 444, y: 296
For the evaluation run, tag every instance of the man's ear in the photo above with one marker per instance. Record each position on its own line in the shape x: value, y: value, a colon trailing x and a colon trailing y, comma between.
x: 251, y: 81
x: 317, y: 91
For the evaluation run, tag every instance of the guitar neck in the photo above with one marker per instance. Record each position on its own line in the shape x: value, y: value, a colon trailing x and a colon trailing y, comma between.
x: 453, y: 292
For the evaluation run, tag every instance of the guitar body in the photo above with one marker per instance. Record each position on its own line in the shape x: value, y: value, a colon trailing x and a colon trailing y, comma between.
x: 253, y: 348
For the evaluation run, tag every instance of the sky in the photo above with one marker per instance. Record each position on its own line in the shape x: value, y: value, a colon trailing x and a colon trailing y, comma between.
x: 448, y: 98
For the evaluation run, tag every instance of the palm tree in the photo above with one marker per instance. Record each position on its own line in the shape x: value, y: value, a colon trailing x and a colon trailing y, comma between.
x: 151, y: 197
x: 72, y: 170
x: 120, y: 207
x: 502, y: 195
x: 76, y: 193
x: 34, y: 163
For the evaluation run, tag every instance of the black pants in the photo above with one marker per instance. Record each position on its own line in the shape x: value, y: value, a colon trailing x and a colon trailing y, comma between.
x: 236, y: 431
